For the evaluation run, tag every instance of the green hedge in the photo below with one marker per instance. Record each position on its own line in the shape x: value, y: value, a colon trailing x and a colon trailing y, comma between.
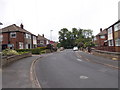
x: 33, y: 51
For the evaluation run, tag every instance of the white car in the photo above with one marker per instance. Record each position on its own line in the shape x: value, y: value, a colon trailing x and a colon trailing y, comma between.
x: 75, y: 49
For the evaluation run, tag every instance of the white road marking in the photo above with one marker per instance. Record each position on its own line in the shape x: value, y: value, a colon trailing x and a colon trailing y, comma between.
x: 79, y: 60
x: 83, y: 77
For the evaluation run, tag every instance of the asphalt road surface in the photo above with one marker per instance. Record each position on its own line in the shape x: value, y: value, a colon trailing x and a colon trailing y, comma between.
x: 66, y: 70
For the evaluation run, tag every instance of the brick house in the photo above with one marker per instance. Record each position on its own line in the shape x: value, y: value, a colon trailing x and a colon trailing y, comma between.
x: 101, y: 38
x: 111, y: 42
x: 15, y: 37
x: 42, y: 41
x: 115, y: 40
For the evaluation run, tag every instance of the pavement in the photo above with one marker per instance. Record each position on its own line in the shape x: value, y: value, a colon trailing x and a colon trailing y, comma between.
x: 98, y: 59
x: 17, y: 74
x: 66, y: 70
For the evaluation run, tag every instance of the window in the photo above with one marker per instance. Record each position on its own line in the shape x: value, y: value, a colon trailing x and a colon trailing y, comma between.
x: 102, y: 37
x: 34, y: 40
x: 28, y: 36
x: 95, y: 38
x: 110, y: 42
x: 110, y: 30
x: 41, y: 42
x: 117, y: 42
x: 117, y: 27
x: 13, y: 34
x: 26, y: 46
x: 20, y: 45
x: 110, y: 34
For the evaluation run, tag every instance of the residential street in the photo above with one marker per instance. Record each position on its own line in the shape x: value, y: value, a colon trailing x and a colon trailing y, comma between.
x: 69, y: 69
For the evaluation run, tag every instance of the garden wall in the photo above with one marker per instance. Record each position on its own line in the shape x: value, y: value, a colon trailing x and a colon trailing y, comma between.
x: 10, y: 59
x: 107, y: 54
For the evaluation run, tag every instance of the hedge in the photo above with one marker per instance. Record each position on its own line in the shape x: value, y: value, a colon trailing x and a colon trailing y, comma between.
x: 33, y: 51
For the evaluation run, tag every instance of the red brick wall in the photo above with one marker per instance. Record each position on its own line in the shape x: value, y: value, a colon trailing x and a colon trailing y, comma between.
x: 15, y: 41
x: 99, y: 41
x: 20, y: 38
x: 5, y: 38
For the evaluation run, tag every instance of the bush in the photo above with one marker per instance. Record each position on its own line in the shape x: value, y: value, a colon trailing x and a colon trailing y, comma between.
x: 33, y: 51
x: 9, y: 52
x: 43, y: 51
x: 23, y: 50
x: 20, y: 53
x: 36, y: 51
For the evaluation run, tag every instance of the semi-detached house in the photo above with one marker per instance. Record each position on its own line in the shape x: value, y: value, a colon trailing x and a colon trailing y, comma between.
x: 15, y: 37
x: 109, y: 39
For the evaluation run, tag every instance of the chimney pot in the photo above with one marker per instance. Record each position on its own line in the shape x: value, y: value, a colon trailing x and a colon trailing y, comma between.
x: 100, y: 29
x: 22, y: 26
x: 43, y: 35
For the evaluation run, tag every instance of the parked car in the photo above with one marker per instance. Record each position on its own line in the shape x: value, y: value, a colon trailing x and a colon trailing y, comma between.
x: 75, y: 49
x: 61, y: 48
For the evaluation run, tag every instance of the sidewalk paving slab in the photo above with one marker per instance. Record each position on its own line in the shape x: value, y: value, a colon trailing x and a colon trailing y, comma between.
x: 17, y: 74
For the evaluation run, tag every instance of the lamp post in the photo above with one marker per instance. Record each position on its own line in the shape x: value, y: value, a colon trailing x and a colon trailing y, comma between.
x: 0, y: 37
x: 0, y: 49
x: 51, y: 34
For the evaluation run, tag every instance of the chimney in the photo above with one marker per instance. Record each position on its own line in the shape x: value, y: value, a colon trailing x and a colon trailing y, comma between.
x: 100, y: 29
x: 43, y: 35
x: 22, y: 26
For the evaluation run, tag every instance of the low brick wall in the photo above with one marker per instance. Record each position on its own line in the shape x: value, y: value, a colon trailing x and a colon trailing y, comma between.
x: 107, y: 54
x: 10, y: 59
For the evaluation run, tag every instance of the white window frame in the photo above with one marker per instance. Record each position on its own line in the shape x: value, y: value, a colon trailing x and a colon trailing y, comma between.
x: 110, y: 33
x: 42, y: 42
x: 110, y: 43
x: 117, y: 27
x: 102, y: 37
x: 20, y: 45
x: 117, y: 42
x: 12, y: 34
x: 28, y: 36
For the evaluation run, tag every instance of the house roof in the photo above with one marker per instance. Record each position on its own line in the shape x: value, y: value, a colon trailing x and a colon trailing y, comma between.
x: 39, y: 37
x: 102, y: 33
x: 114, y: 24
x: 14, y: 28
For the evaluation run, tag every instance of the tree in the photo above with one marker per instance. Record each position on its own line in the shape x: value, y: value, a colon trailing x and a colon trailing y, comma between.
x: 76, y: 37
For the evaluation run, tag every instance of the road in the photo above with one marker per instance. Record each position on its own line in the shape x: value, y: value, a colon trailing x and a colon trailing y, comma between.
x: 69, y: 69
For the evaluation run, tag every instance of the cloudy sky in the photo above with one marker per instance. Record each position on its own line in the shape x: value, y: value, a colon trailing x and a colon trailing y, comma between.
x: 41, y: 16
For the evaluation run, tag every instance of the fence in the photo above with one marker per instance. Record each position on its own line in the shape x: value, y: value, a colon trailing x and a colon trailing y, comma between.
x: 106, y: 48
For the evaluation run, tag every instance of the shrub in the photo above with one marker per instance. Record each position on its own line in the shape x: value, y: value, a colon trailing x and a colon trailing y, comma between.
x: 9, y: 52
x: 36, y: 51
x: 20, y: 53
x: 33, y: 51
x: 23, y: 50
x: 43, y: 51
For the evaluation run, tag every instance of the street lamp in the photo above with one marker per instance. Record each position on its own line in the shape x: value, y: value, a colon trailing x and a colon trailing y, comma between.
x: 51, y: 34
x: 0, y: 37
x: 0, y: 49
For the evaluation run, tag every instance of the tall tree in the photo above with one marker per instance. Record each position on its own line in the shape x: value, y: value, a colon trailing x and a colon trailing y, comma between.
x: 79, y: 37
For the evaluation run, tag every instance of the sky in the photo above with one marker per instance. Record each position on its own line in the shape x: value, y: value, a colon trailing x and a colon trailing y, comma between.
x: 42, y: 16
